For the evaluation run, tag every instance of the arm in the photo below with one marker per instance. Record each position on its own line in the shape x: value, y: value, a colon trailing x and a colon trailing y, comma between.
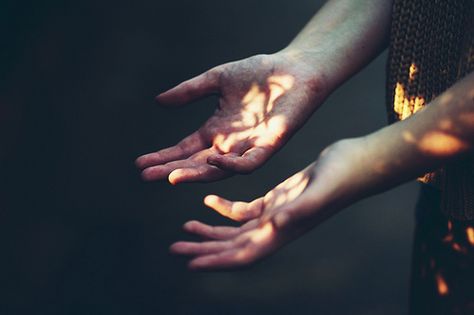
x: 345, y: 172
x: 343, y: 37
x: 441, y: 132
x: 265, y: 99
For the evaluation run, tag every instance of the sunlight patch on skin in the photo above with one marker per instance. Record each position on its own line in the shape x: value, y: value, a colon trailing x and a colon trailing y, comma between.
x: 256, y: 106
x: 466, y: 118
x: 380, y: 167
x: 281, y: 220
x: 441, y: 144
x: 251, y: 94
x: 219, y: 138
x: 278, y: 85
x: 297, y: 188
x: 210, y: 200
x: 248, y: 120
x: 263, y: 233
x: 174, y: 175
x: 446, y: 124
x: 285, y: 81
x: 228, y: 142
x: 258, y: 236
x: 255, y: 100
x: 408, y: 137
x: 275, y: 126
x: 275, y: 92
x: 257, y: 103
x: 287, y: 191
x: 280, y: 199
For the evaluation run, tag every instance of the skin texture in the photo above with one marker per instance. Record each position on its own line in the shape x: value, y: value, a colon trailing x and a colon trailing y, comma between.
x: 345, y: 172
x: 269, y: 222
x: 265, y: 99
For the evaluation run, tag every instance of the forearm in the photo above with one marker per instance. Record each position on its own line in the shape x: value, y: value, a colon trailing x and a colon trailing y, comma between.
x: 343, y: 37
x: 439, y: 133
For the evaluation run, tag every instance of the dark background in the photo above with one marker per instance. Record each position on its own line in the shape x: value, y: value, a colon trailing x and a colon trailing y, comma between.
x: 80, y: 233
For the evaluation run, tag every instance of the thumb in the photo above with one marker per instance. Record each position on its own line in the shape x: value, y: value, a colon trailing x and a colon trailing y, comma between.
x: 248, y: 162
x: 193, y: 89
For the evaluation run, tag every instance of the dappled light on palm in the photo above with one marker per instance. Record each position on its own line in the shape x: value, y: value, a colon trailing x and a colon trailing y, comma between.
x: 264, y: 219
x: 256, y: 114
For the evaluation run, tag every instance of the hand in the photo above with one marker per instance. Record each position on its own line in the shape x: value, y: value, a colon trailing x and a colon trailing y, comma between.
x: 263, y: 100
x: 283, y: 214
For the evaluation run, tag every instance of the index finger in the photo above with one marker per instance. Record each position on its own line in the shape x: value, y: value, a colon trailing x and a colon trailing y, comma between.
x: 185, y: 148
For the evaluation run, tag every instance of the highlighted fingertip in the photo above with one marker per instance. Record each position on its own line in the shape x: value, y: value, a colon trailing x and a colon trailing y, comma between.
x: 173, y: 177
x: 210, y: 199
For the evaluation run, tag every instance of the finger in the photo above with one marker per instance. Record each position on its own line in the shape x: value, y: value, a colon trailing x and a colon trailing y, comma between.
x: 244, y: 249
x: 232, y: 258
x: 235, y: 210
x: 212, y: 232
x: 248, y: 162
x: 185, y: 148
x: 163, y: 171
x: 197, y: 173
x: 233, y: 144
x: 204, y: 248
x: 191, y: 90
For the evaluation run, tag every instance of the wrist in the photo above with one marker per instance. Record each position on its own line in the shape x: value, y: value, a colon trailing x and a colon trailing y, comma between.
x: 322, y: 61
x: 310, y: 68
x: 341, y: 173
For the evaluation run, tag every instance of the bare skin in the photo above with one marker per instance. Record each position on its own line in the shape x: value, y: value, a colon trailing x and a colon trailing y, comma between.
x: 265, y: 99
x: 284, y: 213
x: 250, y: 125
x: 345, y: 172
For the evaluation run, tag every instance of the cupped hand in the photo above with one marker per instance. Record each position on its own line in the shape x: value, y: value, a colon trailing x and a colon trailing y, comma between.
x: 283, y: 214
x: 263, y: 100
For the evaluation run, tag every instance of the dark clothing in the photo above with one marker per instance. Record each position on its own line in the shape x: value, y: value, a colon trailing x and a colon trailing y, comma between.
x: 443, y: 260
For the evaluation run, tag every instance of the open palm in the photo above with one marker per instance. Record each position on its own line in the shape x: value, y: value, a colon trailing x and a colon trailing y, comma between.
x: 283, y: 214
x: 265, y: 227
x: 263, y: 100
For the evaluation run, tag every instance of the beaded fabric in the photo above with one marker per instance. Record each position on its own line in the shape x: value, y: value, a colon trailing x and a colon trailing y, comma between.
x: 432, y: 47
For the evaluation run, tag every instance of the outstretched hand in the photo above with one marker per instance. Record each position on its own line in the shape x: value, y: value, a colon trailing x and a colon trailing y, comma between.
x: 284, y: 213
x: 263, y: 100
